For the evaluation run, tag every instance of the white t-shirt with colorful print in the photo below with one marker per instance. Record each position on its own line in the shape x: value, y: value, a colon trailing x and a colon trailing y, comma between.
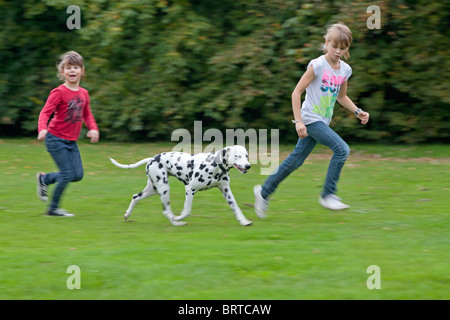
x: 322, y: 92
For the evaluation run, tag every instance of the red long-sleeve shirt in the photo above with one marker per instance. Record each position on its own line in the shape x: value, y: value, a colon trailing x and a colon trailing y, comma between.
x: 70, y: 109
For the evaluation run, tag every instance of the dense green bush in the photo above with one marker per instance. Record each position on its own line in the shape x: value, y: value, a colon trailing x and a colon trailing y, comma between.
x: 154, y: 66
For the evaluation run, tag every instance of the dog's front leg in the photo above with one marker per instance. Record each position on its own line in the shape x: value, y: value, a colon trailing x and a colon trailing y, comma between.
x: 187, y: 204
x: 167, y: 209
x: 228, y: 195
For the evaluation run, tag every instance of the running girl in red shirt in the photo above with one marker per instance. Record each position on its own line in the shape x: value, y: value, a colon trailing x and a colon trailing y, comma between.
x: 70, y: 105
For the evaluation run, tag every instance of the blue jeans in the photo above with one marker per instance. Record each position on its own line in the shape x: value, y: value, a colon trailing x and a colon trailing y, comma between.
x: 67, y: 157
x: 317, y: 132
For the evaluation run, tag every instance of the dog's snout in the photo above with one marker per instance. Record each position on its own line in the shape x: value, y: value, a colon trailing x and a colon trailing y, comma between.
x: 248, y: 166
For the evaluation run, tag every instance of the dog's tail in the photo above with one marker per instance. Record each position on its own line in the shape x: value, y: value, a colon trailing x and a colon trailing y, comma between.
x: 130, y: 166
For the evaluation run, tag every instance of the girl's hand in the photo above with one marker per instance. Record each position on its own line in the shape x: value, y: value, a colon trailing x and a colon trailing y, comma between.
x: 301, y: 130
x: 41, y: 135
x: 94, y: 135
x: 363, y: 116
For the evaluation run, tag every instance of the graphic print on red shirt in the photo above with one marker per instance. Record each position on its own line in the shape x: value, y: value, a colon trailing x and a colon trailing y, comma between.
x: 74, y: 110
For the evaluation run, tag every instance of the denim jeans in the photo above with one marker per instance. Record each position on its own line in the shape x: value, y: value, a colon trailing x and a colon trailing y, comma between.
x: 318, y: 132
x: 67, y: 157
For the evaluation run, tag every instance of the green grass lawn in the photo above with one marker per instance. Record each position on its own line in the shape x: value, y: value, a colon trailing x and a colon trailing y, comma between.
x: 398, y: 220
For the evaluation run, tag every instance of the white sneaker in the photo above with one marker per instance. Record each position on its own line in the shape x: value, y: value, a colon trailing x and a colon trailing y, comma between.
x: 332, y: 202
x: 261, y: 204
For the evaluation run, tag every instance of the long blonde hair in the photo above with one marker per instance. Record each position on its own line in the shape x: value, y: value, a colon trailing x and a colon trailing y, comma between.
x: 341, y: 35
x: 70, y: 57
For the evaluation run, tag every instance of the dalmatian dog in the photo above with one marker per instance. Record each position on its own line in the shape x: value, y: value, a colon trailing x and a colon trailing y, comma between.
x: 198, y: 172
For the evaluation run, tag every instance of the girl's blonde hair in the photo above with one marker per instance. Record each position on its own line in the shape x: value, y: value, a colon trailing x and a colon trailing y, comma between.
x: 341, y: 35
x: 70, y: 57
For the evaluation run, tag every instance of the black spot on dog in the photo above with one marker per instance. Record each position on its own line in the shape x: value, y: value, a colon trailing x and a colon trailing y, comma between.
x: 165, y: 205
x: 202, y: 166
x: 137, y: 195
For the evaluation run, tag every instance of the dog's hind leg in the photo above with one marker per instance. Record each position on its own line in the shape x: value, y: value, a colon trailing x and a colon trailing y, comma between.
x: 187, y: 204
x: 148, y: 191
x: 228, y: 195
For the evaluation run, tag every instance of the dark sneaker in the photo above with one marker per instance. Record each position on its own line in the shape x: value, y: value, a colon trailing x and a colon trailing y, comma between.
x: 41, y: 187
x: 59, y: 213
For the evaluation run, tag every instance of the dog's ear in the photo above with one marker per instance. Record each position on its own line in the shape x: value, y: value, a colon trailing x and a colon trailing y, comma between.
x: 226, y: 155
x: 218, y: 157
x: 222, y: 156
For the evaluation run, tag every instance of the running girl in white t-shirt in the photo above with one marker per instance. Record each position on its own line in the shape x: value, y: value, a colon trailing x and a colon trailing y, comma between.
x: 325, y: 81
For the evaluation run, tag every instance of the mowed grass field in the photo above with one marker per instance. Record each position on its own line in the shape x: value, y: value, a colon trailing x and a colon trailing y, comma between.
x: 398, y: 221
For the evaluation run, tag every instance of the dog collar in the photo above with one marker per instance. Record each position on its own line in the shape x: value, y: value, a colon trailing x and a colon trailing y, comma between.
x: 223, y: 168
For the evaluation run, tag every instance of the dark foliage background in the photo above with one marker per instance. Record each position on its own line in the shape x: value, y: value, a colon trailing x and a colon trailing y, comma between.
x: 154, y: 66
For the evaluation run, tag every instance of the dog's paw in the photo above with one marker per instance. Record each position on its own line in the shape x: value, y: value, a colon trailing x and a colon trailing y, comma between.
x: 125, y: 217
x: 178, y: 223
x: 245, y: 223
